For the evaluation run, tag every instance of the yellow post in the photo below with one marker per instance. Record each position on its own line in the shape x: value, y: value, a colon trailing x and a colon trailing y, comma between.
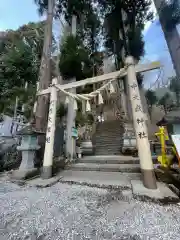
x: 163, y: 159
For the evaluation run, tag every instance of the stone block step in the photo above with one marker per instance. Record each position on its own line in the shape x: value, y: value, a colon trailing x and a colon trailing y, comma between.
x: 110, y: 159
x: 109, y: 130
x: 103, y: 147
x: 105, y: 167
x: 109, y: 151
x: 107, y: 146
x: 108, y: 135
x: 110, y: 144
x: 116, y: 150
x: 116, y: 131
x: 108, y: 138
x: 105, y: 135
x: 99, y: 179
x: 111, y: 127
x: 99, y: 153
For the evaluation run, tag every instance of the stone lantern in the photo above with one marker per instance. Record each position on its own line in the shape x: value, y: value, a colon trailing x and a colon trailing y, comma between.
x: 29, y: 146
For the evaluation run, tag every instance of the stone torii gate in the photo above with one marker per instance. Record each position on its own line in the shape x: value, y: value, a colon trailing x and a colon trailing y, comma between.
x: 130, y: 69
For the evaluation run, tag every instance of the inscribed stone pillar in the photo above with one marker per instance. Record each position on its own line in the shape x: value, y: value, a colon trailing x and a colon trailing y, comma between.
x: 140, y: 128
x: 50, y: 132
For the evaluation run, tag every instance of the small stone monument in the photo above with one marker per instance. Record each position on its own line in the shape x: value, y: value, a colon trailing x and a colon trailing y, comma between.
x: 29, y: 146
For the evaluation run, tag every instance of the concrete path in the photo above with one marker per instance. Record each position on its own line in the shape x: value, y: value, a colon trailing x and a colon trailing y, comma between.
x: 64, y: 212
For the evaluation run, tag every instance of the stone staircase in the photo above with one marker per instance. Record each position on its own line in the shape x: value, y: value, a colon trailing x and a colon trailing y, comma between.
x: 108, y: 138
x: 107, y: 163
x: 105, y: 171
x: 107, y: 168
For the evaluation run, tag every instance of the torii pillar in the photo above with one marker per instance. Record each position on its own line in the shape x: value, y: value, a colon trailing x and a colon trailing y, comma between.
x: 146, y: 163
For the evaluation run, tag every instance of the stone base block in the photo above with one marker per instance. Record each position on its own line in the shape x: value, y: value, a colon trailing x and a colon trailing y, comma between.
x: 161, y: 194
x: 46, y: 172
x: 24, y: 174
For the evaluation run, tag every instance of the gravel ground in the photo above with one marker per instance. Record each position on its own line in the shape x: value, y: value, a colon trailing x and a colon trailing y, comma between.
x: 76, y: 212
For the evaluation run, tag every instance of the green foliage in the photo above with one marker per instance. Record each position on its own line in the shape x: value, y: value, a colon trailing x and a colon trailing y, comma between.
x: 140, y: 78
x: 165, y: 101
x: 74, y: 59
x: 61, y: 111
x: 42, y: 6
x: 90, y: 118
x: 66, y: 8
x: 82, y: 119
x: 115, y: 25
x: 26, y: 97
x: 88, y: 23
x: 170, y: 13
x: 19, y: 63
x: 175, y: 87
x: 136, y: 43
x: 151, y: 97
x: 151, y: 100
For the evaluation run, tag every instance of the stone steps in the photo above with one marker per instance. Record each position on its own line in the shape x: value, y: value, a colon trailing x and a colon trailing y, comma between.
x: 107, y: 148
x: 107, y: 135
x: 104, y: 150
x: 109, y: 151
x: 110, y: 129
x: 110, y: 160
x: 106, y: 145
x: 108, y: 138
x: 109, y: 171
x: 110, y: 143
x: 113, y: 152
x: 134, y: 168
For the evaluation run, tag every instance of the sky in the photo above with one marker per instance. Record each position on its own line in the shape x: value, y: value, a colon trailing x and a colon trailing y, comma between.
x: 12, y: 16
x: 156, y: 50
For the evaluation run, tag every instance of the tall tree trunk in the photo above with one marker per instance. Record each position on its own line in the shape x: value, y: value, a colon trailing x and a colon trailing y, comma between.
x: 172, y: 39
x: 150, y: 112
x: 177, y: 99
x: 165, y: 109
x: 71, y: 114
x: 45, y: 72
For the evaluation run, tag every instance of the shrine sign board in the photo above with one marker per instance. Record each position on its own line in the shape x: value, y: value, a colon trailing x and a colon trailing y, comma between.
x: 74, y: 132
x: 176, y: 141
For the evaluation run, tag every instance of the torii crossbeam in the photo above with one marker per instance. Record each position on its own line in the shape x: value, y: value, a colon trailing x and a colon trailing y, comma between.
x: 113, y: 75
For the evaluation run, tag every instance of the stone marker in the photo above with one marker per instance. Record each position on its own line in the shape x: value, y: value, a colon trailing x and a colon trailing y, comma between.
x: 29, y: 146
